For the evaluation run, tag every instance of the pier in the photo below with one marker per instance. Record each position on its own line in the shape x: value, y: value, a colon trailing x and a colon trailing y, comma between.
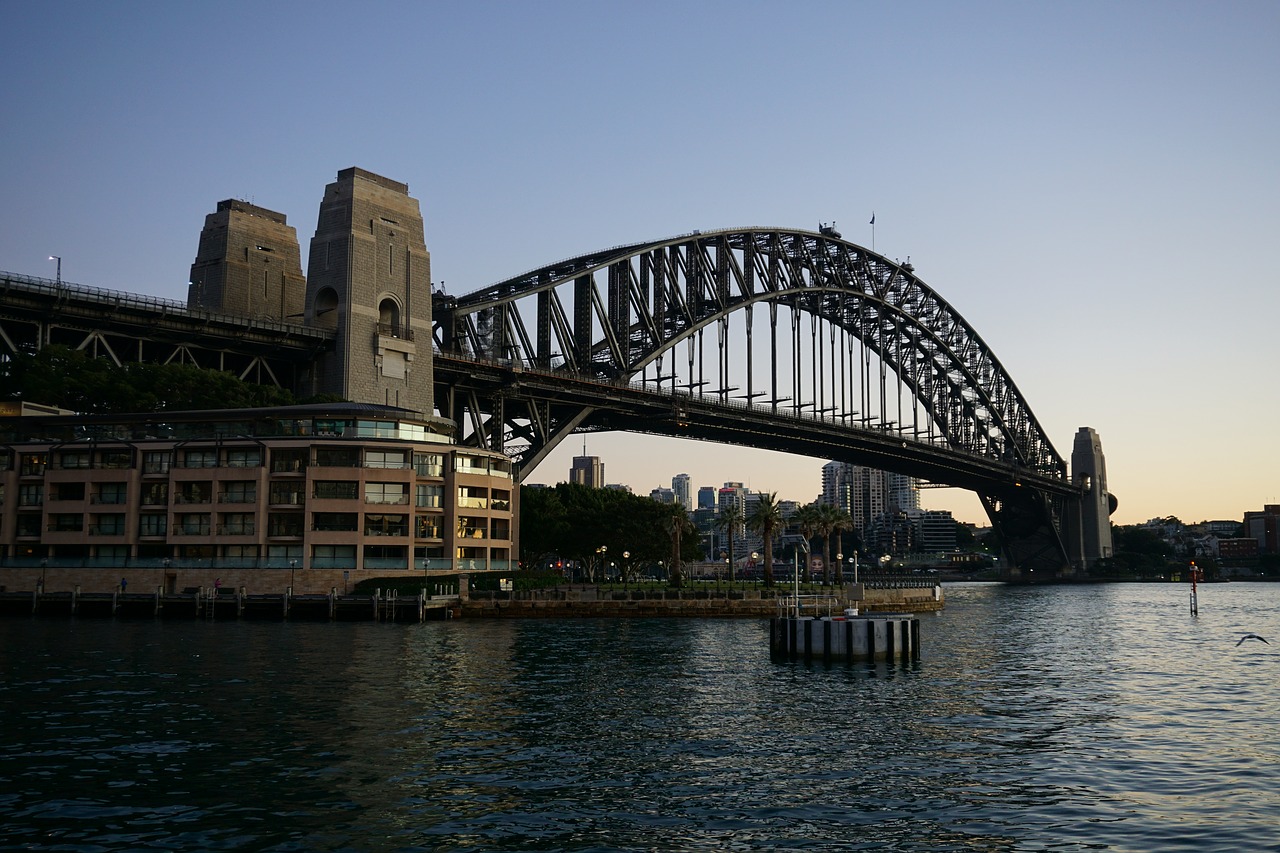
x: 227, y: 604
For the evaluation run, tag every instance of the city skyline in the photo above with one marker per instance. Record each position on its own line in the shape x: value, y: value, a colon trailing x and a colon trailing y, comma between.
x: 1092, y: 187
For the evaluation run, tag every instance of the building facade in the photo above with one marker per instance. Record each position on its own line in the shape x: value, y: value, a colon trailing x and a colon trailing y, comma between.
x: 327, y: 494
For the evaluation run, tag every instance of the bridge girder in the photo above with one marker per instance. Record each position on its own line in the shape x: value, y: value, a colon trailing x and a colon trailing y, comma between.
x: 623, y: 315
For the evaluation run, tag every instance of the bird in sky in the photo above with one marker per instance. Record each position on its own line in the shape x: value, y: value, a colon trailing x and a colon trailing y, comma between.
x: 1252, y: 637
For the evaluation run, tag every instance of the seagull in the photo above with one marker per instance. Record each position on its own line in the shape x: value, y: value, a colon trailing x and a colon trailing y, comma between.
x: 1252, y: 637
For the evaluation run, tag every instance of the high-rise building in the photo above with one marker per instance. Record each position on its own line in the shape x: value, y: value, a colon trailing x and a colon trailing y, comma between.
x: 369, y: 279
x: 587, y: 471
x: 706, y: 497
x: 866, y: 493
x: 682, y: 485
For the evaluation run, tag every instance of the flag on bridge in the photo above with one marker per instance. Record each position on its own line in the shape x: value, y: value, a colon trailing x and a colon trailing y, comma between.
x: 873, y: 218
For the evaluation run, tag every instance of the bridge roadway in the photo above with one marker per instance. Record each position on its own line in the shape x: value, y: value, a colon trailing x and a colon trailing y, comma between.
x: 601, y: 405
x: 36, y: 312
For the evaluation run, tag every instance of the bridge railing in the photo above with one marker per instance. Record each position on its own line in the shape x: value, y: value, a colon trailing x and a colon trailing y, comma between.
x: 62, y: 291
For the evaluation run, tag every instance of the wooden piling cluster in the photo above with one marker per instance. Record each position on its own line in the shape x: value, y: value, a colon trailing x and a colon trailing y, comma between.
x: 890, y: 637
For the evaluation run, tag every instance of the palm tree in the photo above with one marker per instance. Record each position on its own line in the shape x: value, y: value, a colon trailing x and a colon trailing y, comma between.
x: 765, y: 518
x: 729, y: 520
x: 678, y: 526
x: 807, y: 521
x: 836, y: 520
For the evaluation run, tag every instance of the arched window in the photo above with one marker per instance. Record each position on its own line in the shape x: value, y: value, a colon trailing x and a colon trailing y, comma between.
x: 326, y: 308
x: 389, y: 318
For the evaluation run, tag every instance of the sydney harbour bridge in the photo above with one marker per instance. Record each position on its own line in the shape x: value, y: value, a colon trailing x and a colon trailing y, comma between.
x: 787, y: 340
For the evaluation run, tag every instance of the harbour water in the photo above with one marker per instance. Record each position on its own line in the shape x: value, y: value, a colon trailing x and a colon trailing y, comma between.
x: 1041, y: 718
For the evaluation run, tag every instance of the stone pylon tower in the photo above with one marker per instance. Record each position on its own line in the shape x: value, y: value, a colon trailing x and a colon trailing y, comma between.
x: 1089, y: 536
x: 369, y: 279
x: 248, y: 264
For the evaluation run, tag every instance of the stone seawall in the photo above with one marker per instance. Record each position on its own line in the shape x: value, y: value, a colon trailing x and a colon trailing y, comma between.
x: 749, y: 603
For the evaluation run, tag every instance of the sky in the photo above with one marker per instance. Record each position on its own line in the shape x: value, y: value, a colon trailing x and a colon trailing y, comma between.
x: 1092, y: 185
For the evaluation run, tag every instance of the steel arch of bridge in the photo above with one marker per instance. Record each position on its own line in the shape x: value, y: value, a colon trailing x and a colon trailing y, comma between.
x: 618, y: 339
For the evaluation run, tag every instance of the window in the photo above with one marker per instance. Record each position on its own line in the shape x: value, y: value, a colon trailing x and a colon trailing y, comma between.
x: 384, y: 459
x: 236, y: 524
x: 340, y: 490
x: 115, y: 459
x: 244, y: 457
x: 239, y: 492
x: 155, y: 494
x: 192, y: 524
x: 33, y: 463
x: 335, y: 521
x: 429, y: 496
x: 287, y: 493
x: 111, y: 493
x: 470, y: 464
x: 107, y: 525
x: 66, y: 522
x: 288, y: 461
x: 28, y: 524
x: 333, y: 556
x: 429, y: 527
x: 473, y: 497
x: 31, y: 494
x: 243, y: 554
x: 501, y: 501
x: 428, y: 464
x: 500, y: 528
x: 472, y: 527
x: 74, y: 459
x: 386, y: 556
x: 66, y: 492
x: 280, y: 555
x: 195, y: 492
x: 285, y: 524
x: 338, y: 457
x: 377, y: 524
x: 200, y: 458
x: 153, y: 524
x: 386, y: 493
x: 156, y: 461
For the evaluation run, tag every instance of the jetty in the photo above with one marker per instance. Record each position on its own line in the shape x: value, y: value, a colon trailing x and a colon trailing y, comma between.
x: 226, y: 604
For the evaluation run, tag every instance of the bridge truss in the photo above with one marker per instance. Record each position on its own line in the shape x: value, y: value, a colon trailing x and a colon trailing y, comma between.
x: 778, y: 339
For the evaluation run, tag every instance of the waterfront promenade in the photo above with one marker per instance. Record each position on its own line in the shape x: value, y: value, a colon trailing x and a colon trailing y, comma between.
x: 571, y: 601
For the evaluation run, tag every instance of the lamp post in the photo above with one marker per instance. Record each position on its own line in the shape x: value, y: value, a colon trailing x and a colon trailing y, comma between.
x: 601, y: 552
x: 626, y: 557
x: 293, y: 566
x: 853, y: 564
x: 59, y: 260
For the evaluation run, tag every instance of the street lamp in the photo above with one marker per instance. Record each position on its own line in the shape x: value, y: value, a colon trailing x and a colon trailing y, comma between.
x: 293, y: 566
x: 853, y: 564
x: 59, y: 260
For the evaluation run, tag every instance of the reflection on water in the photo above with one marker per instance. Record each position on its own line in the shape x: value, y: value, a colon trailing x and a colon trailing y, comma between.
x: 1067, y: 718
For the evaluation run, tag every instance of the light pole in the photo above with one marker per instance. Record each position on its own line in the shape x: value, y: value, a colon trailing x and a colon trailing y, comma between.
x: 293, y: 566
x: 626, y: 557
x: 601, y: 552
x: 853, y: 564
x: 59, y: 260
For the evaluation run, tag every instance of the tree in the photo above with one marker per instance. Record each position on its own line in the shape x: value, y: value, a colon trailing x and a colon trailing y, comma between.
x: 833, y: 521
x: 729, y: 520
x: 71, y: 379
x: 807, y: 520
x: 678, y: 527
x: 765, y: 519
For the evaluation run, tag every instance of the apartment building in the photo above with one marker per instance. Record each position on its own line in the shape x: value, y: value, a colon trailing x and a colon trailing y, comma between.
x: 326, y: 493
